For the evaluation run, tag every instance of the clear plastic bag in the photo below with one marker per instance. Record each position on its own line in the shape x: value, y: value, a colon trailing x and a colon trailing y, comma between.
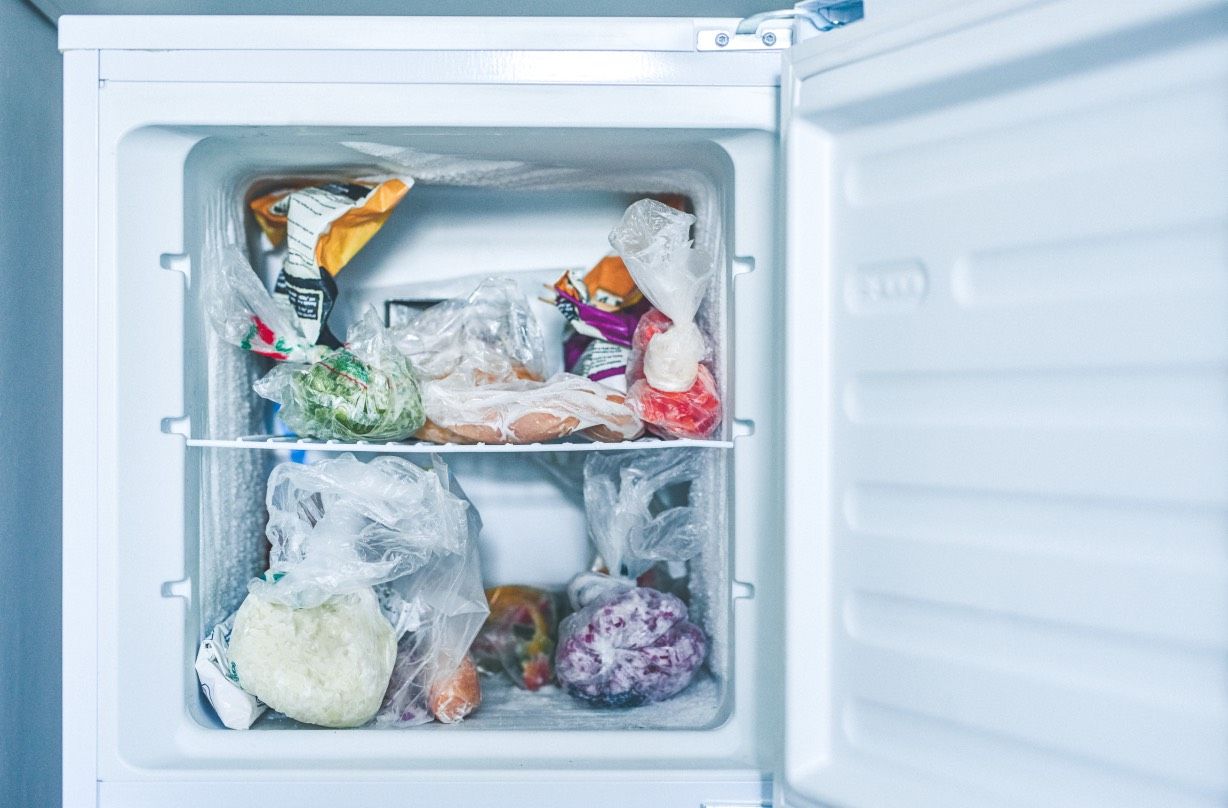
x: 326, y: 664
x: 518, y: 638
x: 338, y: 528
x: 438, y: 609
x: 618, y: 495
x: 629, y: 645
x: 526, y: 411
x: 342, y: 525
x: 366, y: 390
x: 246, y: 315
x: 670, y: 387
x: 482, y: 357
x: 694, y: 413
x: 489, y: 336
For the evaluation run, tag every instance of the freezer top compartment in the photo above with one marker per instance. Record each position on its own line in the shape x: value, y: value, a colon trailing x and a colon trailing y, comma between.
x: 482, y: 204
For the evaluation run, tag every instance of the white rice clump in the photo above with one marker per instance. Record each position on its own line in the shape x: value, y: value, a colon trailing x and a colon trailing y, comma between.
x: 327, y: 665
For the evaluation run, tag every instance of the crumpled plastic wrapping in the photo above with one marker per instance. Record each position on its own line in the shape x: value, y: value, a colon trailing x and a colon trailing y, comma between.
x: 313, y: 641
x: 366, y: 390
x: 666, y: 372
x: 342, y: 525
x: 245, y: 314
x: 482, y: 358
x: 518, y: 638
x: 437, y: 610
x: 602, y: 307
x: 326, y: 664
x: 629, y: 645
x: 619, y: 489
x: 489, y: 336
x: 526, y: 411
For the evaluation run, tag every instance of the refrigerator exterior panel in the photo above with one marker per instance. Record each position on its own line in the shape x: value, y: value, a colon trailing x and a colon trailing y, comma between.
x: 1007, y: 470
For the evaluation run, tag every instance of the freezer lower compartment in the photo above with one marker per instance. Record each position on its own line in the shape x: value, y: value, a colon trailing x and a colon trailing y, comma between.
x: 534, y: 532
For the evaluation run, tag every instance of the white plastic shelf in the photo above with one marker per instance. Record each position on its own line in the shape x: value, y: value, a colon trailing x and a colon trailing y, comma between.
x: 314, y: 445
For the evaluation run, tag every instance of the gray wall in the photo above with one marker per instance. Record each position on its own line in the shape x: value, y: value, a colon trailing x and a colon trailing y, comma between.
x: 29, y: 408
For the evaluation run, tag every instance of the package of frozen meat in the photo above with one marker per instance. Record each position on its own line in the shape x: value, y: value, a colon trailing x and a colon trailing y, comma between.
x: 671, y: 387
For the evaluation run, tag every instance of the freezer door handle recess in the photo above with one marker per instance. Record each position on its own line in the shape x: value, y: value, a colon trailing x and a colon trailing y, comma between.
x: 771, y: 30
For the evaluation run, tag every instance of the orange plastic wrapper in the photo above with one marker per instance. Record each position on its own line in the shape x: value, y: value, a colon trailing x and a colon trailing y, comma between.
x: 323, y: 227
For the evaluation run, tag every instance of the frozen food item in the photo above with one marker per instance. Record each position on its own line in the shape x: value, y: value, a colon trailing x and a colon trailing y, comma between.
x: 327, y: 664
x: 489, y: 336
x: 602, y: 308
x: 525, y: 411
x: 482, y: 358
x: 323, y: 227
x: 630, y: 531
x: 219, y: 680
x: 653, y: 239
x: 437, y: 610
x: 518, y: 637
x: 693, y: 413
x: 458, y: 695
x: 629, y: 646
x: 366, y: 390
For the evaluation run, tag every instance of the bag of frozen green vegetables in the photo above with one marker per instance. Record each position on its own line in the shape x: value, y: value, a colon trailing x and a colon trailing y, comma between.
x: 364, y: 390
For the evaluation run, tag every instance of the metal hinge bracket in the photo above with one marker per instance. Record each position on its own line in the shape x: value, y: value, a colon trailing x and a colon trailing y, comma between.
x: 773, y: 30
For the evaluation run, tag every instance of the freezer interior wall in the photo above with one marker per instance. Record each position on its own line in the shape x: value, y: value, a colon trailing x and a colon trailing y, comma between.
x: 531, y: 204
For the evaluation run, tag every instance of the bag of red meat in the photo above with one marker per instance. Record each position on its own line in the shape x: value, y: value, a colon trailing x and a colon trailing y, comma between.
x: 691, y: 413
x: 671, y: 389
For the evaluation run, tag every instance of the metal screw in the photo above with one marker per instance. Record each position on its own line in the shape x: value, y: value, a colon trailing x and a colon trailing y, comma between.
x: 769, y: 39
x: 722, y: 39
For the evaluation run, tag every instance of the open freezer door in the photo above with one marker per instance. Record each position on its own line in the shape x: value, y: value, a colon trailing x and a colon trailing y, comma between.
x: 1007, y: 409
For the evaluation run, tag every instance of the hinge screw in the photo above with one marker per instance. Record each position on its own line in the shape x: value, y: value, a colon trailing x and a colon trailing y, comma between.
x: 722, y: 39
x: 769, y: 39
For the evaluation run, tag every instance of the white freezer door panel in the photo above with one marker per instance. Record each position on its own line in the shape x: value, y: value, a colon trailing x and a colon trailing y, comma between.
x: 1007, y: 518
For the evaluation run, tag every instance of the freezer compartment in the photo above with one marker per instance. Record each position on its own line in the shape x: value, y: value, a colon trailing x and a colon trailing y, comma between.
x: 534, y: 532
x: 528, y: 205
x: 180, y: 508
